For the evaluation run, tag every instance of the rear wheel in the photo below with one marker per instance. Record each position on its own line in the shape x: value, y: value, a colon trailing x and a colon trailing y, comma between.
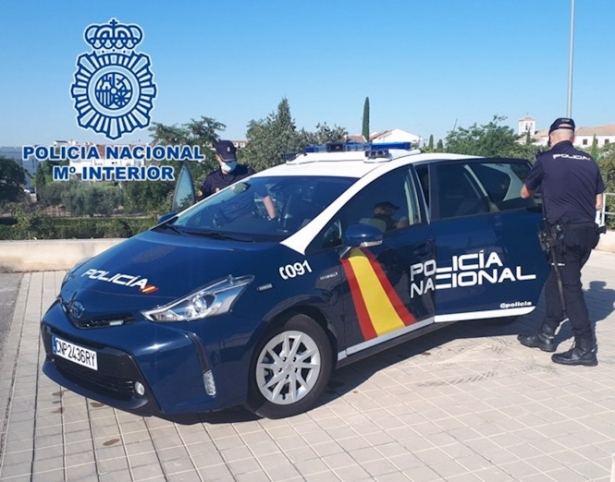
x: 290, y: 368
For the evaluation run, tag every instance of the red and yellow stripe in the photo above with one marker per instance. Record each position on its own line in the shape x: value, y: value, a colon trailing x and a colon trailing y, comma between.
x: 149, y: 289
x: 379, y: 308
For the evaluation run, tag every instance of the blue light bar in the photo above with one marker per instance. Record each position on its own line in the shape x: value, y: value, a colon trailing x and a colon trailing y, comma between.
x: 358, y: 146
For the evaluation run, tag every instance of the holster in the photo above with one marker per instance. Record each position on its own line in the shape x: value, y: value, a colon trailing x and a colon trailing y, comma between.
x: 580, y: 236
x: 551, y: 236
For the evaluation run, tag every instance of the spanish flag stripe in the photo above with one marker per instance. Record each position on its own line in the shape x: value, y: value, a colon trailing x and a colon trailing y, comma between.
x: 382, y: 314
x: 357, y: 298
x: 399, y: 306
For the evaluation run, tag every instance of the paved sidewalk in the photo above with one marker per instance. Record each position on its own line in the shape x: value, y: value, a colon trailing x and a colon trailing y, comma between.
x: 466, y: 403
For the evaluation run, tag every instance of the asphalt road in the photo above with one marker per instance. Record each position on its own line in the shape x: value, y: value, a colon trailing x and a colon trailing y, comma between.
x: 9, y: 287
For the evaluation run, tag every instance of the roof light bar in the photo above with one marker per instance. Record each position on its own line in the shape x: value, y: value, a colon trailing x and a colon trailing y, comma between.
x: 290, y: 156
x: 377, y: 153
x: 358, y: 146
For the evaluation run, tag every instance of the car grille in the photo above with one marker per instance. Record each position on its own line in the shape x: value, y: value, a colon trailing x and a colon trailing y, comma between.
x: 116, y: 319
x: 115, y: 387
x: 102, y: 321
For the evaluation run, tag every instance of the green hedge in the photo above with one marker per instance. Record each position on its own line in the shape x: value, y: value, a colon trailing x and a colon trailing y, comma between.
x: 39, y: 226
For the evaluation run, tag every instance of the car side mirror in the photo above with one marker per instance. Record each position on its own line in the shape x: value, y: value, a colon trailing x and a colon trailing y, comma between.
x: 165, y: 217
x: 362, y: 236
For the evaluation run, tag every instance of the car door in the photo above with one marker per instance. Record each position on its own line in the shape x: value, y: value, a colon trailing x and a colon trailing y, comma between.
x: 389, y: 289
x: 489, y: 260
x: 183, y: 196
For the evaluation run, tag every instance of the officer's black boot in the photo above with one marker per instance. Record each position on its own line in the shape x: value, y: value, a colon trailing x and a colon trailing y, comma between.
x: 543, y: 339
x: 583, y: 352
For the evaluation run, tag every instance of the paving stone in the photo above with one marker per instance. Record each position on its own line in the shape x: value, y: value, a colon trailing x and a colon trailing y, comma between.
x: 480, y: 408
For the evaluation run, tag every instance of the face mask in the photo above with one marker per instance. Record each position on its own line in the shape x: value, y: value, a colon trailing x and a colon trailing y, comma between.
x: 228, y: 166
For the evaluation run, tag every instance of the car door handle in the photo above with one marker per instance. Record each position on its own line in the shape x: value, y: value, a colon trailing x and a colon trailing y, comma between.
x: 423, y: 249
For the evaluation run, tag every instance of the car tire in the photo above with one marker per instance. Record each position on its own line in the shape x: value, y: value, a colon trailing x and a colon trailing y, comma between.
x: 278, y: 387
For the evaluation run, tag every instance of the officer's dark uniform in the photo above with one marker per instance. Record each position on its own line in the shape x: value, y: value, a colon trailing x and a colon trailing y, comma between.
x: 386, y: 218
x: 570, y: 180
x: 218, y: 180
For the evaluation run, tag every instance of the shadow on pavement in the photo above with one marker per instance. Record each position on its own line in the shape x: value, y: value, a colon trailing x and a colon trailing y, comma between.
x: 600, y: 301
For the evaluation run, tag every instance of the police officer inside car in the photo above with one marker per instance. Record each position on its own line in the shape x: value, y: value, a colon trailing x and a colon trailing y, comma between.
x: 229, y: 173
x: 572, y: 190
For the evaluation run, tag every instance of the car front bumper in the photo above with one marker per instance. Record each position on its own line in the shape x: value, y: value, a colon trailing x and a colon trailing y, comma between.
x: 171, y: 363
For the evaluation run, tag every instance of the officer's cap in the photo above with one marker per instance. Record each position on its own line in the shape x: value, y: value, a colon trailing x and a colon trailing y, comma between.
x: 226, y: 150
x: 386, y: 204
x: 562, y: 123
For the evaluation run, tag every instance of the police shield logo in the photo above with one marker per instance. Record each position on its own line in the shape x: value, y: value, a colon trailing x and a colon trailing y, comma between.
x: 113, y: 91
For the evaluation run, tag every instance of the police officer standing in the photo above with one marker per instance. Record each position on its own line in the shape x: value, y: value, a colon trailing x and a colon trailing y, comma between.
x: 229, y: 173
x: 572, y: 188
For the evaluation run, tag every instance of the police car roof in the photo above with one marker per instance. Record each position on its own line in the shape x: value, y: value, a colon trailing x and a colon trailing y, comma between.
x: 351, y: 164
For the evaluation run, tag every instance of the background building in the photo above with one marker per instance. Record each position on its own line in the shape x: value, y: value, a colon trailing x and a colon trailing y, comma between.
x: 395, y: 135
x: 584, y: 136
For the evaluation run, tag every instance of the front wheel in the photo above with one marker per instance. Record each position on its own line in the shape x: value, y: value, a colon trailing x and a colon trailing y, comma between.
x: 290, y: 368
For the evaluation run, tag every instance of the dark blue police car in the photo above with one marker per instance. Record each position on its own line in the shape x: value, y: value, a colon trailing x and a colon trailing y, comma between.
x: 220, y: 305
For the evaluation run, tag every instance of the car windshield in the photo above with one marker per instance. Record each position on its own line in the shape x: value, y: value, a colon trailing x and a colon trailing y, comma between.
x: 240, y: 211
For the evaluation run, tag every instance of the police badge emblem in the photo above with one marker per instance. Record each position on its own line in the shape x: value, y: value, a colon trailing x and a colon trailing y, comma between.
x: 113, y: 91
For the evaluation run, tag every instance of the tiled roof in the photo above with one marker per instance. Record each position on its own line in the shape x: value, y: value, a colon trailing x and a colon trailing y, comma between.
x: 376, y: 135
x: 606, y: 130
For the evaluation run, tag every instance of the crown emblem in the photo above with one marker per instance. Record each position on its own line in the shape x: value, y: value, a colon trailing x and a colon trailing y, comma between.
x: 113, y: 35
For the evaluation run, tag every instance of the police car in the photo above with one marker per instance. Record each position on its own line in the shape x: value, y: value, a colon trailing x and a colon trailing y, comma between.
x: 223, y: 305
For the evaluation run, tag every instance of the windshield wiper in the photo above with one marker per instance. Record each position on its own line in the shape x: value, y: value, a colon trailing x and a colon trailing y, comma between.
x: 217, y: 235
x: 169, y: 226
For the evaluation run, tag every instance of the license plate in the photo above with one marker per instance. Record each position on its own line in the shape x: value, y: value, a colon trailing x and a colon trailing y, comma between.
x: 75, y: 353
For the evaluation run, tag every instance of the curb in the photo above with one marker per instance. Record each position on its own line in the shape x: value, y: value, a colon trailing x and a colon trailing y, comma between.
x: 49, y: 254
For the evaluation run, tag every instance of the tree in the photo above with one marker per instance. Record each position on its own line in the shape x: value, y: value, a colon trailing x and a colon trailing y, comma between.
x: 153, y: 196
x: 365, y: 130
x: 606, y: 161
x: 150, y: 197
x: 269, y: 139
x: 202, y: 132
x: 430, y: 143
x: 323, y: 135
x: 489, y: 140
x: 595, y: 151
x: 90, y: 198
x: 440, y: 146
x: 40, y: 179
x: 12, y: 178
x: 50, y: 194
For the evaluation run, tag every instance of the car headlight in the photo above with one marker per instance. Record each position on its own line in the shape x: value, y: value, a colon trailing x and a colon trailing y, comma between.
x: 214, y: 299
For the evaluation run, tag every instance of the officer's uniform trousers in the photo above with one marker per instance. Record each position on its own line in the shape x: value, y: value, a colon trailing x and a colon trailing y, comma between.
x: 572, y: 251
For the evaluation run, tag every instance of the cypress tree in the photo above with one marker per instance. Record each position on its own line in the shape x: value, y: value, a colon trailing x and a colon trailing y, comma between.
x: 365, y: 130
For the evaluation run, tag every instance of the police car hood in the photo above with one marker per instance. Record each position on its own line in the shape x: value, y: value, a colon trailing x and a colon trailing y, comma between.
x: 153, y: 268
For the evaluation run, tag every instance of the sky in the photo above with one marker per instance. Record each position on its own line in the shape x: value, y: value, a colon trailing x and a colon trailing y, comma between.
x: 426, y: 66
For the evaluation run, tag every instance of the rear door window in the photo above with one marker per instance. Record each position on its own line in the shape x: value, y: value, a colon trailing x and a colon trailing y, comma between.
x: 476, y: 187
